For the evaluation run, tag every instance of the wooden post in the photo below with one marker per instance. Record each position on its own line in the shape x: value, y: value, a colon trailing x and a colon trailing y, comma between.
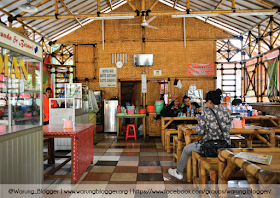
x: 271, y: 30
x: 188, y: 4
x: 258, y: 79
x: 189, y: 168
x: 98, y: 6
x: 233, y: 4
x: 56, y: 6
x: 120, y: 92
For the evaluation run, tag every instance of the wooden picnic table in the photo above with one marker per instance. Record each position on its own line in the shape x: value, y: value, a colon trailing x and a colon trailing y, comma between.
x: 249, y: 132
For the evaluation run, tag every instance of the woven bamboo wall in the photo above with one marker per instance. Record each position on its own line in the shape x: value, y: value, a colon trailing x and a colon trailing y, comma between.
x: 153, y: 92
x: 166, y: 44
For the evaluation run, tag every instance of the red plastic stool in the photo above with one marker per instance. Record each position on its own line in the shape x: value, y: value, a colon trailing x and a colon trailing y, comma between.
x: 130, y: 135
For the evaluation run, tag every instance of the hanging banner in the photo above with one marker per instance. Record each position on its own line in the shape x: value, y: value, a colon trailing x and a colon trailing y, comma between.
x: 108, y: 77
x: 272, y: 77
x: 144, y: 83
x: 201, y: 69
x: 14, y: 39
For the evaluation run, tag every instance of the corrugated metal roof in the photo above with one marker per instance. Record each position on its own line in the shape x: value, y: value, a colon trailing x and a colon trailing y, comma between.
x: 52, y: 29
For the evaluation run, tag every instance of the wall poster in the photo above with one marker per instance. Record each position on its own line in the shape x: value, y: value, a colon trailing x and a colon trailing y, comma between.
x: 201, y: 69
x: 108, y: 77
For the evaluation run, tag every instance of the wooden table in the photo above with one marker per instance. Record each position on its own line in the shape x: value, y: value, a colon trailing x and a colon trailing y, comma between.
x: 249, y: 132
x: 81, y: 148
x: 254, y: 172
x: 264, y: 120
x: 166, y: 121
x: 121, y: 116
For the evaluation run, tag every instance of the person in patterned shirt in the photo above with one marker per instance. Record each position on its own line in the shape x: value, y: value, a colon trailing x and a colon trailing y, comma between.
x: 208, y: 127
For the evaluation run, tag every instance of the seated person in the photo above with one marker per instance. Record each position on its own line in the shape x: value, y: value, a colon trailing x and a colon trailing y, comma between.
x: 190, y: 105
x: 236, y: 101
x: 172, y: 109
x: 208, y: 127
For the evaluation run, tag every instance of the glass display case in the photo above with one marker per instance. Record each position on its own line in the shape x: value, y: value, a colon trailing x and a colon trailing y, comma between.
x: 74, y: 90
x: 20, y: 89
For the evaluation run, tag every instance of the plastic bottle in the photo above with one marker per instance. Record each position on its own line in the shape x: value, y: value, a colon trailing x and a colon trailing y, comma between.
x: 233, y: 109
x: 188, y: 112
x: 192, y: 113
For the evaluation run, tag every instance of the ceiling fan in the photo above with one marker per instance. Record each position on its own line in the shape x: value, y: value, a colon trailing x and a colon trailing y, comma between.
x: 145, y: 23
x: 27, y: 7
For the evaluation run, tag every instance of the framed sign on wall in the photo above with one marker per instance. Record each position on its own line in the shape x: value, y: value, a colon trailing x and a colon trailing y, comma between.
x: 201, y: 69
x: 108, y: 77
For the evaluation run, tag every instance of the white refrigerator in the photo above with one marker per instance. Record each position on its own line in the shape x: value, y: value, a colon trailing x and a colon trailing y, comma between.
x: 110, y: 119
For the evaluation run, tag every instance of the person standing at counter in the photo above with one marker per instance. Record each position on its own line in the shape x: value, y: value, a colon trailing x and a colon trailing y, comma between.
x: 46, y: 109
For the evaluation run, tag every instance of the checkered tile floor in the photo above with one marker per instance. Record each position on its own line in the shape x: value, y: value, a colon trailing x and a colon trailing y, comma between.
x: 121, y: 163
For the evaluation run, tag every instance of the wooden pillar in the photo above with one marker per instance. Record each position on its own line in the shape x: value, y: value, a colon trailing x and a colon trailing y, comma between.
x: 259, y: 41
x: 233, y: 4
x: 120, y: 92
x: 258, y: 79
x: 188, y: 4
x: 33, y: 35
x: 271, y: 30
x: 56, y: 6
x: 50, y: 57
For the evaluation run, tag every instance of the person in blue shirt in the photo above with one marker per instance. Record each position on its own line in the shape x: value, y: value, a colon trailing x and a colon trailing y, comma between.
x: 208, y: 127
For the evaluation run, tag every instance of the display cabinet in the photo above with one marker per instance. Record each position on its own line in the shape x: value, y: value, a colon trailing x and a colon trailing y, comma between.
x: 20, y: 90
x: 21, y: 131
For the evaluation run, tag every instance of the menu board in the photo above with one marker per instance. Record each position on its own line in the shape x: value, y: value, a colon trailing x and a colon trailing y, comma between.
x: 108, y: 77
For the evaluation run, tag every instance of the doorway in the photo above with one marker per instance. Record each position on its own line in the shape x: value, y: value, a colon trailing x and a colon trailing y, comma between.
x: 131, y: 94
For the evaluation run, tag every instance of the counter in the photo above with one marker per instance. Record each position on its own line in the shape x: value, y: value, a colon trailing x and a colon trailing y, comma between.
x: 153, y: 127
x: 268, y: 108
x: 21, y: 156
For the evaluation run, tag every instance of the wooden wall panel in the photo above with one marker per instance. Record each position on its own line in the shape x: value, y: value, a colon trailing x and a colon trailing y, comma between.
x: 165, y: 43
x: 153, y: 92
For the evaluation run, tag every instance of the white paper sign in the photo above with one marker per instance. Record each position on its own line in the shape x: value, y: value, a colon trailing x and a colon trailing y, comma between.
x: 9, y: 37
x: 108, y: 77
x: 157, y: 72
x: 144, y: 83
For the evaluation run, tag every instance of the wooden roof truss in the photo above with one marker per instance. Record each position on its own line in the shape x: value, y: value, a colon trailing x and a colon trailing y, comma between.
x: 56, y: 18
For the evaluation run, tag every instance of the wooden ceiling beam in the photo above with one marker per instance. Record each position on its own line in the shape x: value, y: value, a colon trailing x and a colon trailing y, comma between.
x: 38, y: 28
x: 61, y: 1
x: 175, y: 1
x: 110, y: 4
x: 268, y: 3
x: 37, y: 5
x: 24, y: 25
x: 56, y: 6
x: 98, y: 6
x: 130, y: 4
x: 158, y: 13
x: 154, y: 4
x: 217, y: 6
x: 55, y: 32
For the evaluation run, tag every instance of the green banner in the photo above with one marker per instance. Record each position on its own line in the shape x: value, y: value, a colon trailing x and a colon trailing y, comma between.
x: 272, y: 68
